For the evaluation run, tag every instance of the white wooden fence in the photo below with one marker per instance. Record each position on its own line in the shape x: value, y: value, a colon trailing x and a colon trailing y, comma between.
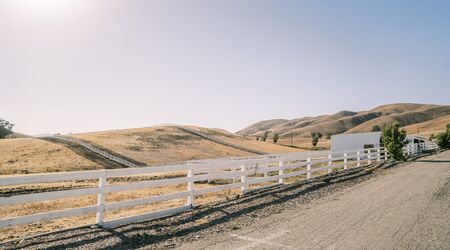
x: 247, y: 173
x: 415, y: 148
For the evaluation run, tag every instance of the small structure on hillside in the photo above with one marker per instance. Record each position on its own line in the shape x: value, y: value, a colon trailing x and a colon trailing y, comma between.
x: 355, y: 141
x: 416, y: 139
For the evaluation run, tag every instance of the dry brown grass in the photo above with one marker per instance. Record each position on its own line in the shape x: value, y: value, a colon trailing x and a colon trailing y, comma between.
x: 429, y: 127
x: 28, y: 155
x: 165, y: 144
x: 305, y: 143
x: 267, y: 146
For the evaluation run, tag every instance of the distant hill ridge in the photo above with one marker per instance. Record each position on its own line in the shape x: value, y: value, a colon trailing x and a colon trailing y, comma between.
x: 353, y: 122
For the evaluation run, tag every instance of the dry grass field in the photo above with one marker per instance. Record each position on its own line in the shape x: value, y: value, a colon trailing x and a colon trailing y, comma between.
x: 268, y: 146
x: 29, y: 155
x: 305, y: 143
x: 166, y: 144
x: 429, y: 127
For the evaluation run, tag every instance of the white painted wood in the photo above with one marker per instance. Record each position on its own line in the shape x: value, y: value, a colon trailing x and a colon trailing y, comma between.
x: 147, y: 216
x: 53, y: 177
x: 101, y: 201
x: 345, y: 161
x: 358, y: 159
x: 308, y: 167
x: 280, y: 172
x: 28, y: 198
x: 47, y: 216
x: 146, y: 184
x: 243, y: 179
x: 190, y: 188
x: 330, y: 163
x: 369, y: 156
x: 378, y: 155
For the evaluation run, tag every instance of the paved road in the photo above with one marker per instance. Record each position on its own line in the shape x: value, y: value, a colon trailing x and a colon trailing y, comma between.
x: 403, y: 208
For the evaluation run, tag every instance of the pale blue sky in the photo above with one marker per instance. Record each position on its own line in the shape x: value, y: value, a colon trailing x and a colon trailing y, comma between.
x: 74, y: 65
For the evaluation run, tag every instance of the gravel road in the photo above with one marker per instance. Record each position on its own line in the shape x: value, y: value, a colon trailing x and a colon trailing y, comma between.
x: 403, y: 207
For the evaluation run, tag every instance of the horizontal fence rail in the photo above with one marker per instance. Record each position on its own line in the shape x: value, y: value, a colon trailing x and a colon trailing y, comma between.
x: 242, y: 173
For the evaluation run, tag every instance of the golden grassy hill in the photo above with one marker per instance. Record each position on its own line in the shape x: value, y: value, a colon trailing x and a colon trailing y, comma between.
x: 29, y: 155
x: 349, y: 121
x: 168, y: 144
x: 429, y: 127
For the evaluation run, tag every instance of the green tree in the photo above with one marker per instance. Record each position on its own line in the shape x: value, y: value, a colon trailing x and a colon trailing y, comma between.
x: 376, y: 128
x: 266, y: 134
x: 432, y: 137
x: 319, y: 135
x: 314, y: 141
x: 394, y: 140
x: 275, y: 138
x: 443, y: 138
x: 5, y: 128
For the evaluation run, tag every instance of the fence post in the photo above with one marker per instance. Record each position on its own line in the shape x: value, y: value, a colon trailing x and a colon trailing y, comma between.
x: 243, y: 179
x: 266, y: 173
x: 330, y: 163
x: 369, y: 157
x: 358, y: 159
x: 190, y: 187
x: 280, y: 172
x: 385, y: 154
x: 233, y: 170
x: 308, y: 167
x: 378, y: 154
x: 101, y: 201
x: 345, y: 161
x: 209, y: 173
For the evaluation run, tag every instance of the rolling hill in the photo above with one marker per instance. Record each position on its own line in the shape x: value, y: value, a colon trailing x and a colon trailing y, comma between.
x: 353, y: 122
x: 169, y: 144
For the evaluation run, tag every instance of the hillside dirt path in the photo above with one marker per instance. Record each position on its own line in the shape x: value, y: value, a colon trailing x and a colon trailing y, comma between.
x: 402, y: 208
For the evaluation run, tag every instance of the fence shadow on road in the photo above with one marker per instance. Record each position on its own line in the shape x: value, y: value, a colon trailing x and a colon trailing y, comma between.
x: 161, y: 230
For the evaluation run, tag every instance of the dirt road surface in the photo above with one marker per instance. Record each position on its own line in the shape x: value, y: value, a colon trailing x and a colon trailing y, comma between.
x: 401, y: 208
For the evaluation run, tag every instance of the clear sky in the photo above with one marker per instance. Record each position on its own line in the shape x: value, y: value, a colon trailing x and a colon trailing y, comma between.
x: 74, y: 65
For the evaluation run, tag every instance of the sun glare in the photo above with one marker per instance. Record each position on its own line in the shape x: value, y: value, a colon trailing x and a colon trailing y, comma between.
x: 46, y: 5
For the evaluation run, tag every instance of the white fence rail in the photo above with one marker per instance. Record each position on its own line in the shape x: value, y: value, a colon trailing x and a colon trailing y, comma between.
x: 245, y: 174
x: 416, y: 148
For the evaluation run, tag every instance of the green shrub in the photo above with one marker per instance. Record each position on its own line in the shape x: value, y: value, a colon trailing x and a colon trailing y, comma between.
x: 394, y: 140
x: 443, y: 138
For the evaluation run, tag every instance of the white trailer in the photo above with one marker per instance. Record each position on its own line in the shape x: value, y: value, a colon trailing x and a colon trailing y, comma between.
x: 355, y: 141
